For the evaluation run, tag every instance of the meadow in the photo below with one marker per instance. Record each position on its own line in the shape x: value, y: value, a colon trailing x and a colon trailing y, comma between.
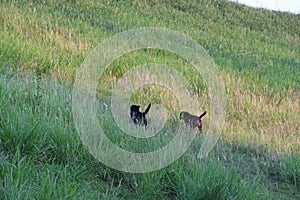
x: 43, y: 43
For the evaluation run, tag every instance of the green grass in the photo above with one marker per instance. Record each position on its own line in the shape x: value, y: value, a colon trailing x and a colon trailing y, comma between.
x: 256, y: 51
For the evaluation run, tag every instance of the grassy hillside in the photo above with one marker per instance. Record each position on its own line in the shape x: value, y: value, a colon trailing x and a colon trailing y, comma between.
x: 42, y: 43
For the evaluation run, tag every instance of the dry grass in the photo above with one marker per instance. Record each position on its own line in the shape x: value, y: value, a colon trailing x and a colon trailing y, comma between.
x: 258, y: 118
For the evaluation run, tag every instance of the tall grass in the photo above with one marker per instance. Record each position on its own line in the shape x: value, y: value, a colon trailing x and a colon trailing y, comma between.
x: 44, y: 144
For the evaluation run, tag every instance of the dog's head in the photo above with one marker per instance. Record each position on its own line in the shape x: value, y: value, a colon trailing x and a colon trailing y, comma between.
x: 135, y: 108
x: 181, y: 115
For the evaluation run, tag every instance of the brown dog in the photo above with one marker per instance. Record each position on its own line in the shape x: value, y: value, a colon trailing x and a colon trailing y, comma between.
x: 191, y: 120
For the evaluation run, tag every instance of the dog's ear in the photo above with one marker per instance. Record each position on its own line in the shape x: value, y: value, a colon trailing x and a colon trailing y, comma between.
x: 181, y: 115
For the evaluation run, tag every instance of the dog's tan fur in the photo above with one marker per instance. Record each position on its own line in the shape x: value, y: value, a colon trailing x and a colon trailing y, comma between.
x: 192, y: 121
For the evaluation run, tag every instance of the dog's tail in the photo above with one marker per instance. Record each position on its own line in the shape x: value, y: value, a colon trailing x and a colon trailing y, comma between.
x: 147, y: 109
x: 202, y: 115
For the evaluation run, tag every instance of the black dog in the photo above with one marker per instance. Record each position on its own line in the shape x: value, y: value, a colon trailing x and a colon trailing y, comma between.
x: 191, y: 120
x: 137, y: 116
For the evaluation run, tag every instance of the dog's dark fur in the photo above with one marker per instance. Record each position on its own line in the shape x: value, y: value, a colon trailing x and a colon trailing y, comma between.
x: 191, y: 120
x: 137, y: 116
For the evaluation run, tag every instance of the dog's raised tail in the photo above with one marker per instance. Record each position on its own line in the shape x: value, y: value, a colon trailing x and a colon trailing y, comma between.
x: 147, y: 109
x: 202, y: 115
